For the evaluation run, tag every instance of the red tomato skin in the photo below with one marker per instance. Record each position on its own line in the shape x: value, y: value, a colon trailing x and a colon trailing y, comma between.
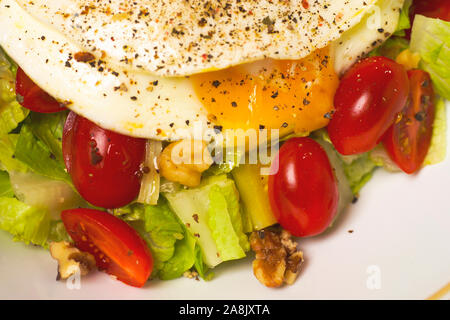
x: 303, y: 192
x: 407, y: 141
x: 32, y: 97
x: 118, y: 249
x: 105, y: 166
x: 368, y: 98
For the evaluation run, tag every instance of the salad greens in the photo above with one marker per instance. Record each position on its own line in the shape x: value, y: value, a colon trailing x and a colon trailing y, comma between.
x: 196, y: 228
x: 431, y: 39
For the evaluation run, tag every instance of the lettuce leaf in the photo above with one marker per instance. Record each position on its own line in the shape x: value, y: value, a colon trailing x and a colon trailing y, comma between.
x: 38, y: 157
x: 8, y: 160
x: 25, y: 223
x: 438, y: 147
x: 403, y: 21
x: 222, y: 230
x: 211, y: 213
x: 5, y: 185
x: 431, y: 39
x: 172, y: 246
x: 49, y: 128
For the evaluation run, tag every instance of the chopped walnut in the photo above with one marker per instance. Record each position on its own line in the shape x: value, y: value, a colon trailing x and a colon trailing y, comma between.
x: 277, y: 257
x: 190, y: 274
x: 184, y: 161
x: 71, y: 260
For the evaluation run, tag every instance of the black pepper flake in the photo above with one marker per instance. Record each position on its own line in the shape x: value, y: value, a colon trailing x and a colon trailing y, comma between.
x: 420, y: 116
x: 274, y: 95
x: 155, y: 83
x: 284, y: 125
x: 216, y: 83
x: 68, y: 65
x: 171, y: 125
x: 134, y: 98
x: 234, y: 104
x: 306, y: 102
x: 218, y: 128
x: 380, y: 30
x: 355, y: 200
x: 187, y: 122
x: 116, y: 74
x: 261, y: 127
x: 328, y: 115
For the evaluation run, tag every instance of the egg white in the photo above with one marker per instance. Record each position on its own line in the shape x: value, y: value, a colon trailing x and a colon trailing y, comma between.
x: 136, y: 103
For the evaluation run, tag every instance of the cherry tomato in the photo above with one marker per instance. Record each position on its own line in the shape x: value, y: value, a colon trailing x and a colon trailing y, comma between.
x: 408, y: 140
x: 32, y: 97
x: 432, y: 8
x: 429, y: 8
x: 367, y: 101
x: 117, y: 247
x: 105, y: 166
x: 303, y: 190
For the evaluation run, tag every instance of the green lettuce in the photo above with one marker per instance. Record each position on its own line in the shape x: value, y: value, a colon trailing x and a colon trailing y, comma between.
x: 34, y: 153
x: 172, y: 246
x: 48, y: 128
x: 5, y: 185
x: 438, y: 147
x: 403, y: 21
x: 25, y: 223
x: 29, y: 224
x: 431, y: 39
x: 8, y: 160
x: 211, y: 213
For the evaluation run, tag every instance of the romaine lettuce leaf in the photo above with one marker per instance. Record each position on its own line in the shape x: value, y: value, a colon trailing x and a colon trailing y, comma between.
x: 221, y: 226
x: 211, y: 213
x: 8, y: 160
x: 49, y: 128
x: 172, y: 246
x: 431, y: 39
x: 38, y: 157
x: 438, y: 147
x: 403, y: 21
x: 25, y: 223
x: 5, y: 185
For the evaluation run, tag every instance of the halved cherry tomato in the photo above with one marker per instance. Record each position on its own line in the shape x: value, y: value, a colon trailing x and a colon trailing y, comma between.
x: 118, y: 249
x: 105, y: 166
x: 32, y: 97
x: 367, y: 101
x: 408, y: 140
x: 303, y: 192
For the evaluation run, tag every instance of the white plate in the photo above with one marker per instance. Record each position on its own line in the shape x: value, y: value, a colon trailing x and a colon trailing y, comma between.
x: 398, y: 250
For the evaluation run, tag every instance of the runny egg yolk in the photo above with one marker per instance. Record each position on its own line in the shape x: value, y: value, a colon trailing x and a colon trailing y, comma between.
x: 290, y: 95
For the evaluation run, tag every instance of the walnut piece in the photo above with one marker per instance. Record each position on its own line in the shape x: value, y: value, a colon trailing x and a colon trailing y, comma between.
x: 277, y: 258
x: 184, y: 161
x: 71, y: 260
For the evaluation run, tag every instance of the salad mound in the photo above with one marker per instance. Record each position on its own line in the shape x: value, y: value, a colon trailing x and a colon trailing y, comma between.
x: 183, y: 220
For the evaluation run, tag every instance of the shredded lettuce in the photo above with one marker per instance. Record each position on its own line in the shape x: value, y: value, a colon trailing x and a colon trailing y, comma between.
x: 431, y: 39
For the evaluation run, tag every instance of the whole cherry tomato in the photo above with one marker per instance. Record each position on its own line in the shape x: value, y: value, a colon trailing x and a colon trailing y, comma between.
x: 367, y: 101
x: 408, y: 140
x: 105, y: 166
x: 303, y: 190
x: 118, y: 249
x: 32, y: 97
